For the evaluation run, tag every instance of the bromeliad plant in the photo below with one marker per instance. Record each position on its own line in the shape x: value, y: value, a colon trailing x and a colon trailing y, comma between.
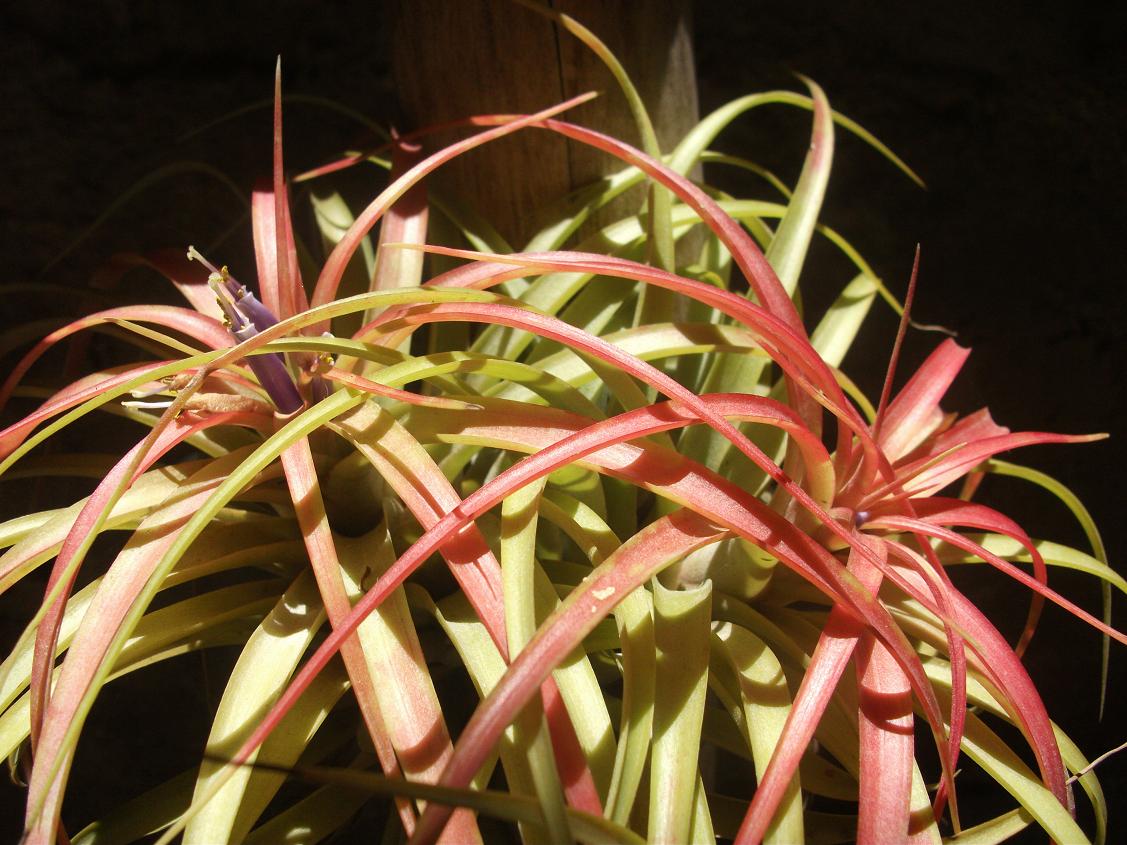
x: 697, y: 580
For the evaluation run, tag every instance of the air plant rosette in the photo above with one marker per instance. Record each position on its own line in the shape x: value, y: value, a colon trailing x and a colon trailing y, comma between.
x: 694, y: 581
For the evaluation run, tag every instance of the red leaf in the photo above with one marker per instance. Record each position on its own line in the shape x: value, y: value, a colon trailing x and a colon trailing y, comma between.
x: 73, y: 394
x: 207, y: 330
x: 331, y: 273
x: 956, y: 512
x: 602, y: 446
x: 914, y: 414
x: 70, y: 555
x: 887, y: 746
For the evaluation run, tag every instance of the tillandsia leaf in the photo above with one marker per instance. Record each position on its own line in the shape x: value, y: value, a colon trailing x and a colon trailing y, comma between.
x: 985, y: 694
x: 704, y: 133
x: 836, y: 645
x: 681, y: 634
x: 894, y: 361
x: 649, y: 343
x: 914, y: 415
x: 301, y: 477
x: 518, y: 544
x: 316, y: 817
x: 1004, y: 671
x: 141, y: 816
x: 263, y: 667
x: 998, y: 829
x: 718, y: 502
x: 929, y: 570
x: 701, y: 828
x: 270, y: 248
x: 88, y: 394
x: 887, y: 745
x: 835, y: 333
x: 1072, y: 501
x: 787, y: 252
x: 404, y: 222
x: 195, y: 325
x: 503, y: 805
x: 653, y: 305
x: 213, y: 619
x: 411, y: 708
x: 1009, y: 677
x: 137, y: 334
x: 485, y: 666
x: 980, y: 697
x: 291, y: 292
x: 636, y: 642
x: 407, y: 469
x: 789, y: 349
x: 957, y: 513
x: 329, y: 279
x: 90, y: 655
x: 477, y: 231
x: 39, y: 540
x: 1054, y: 554
x: 333, y: 217
x: 765, y: 701
x: 768, y: 176
x: 87, y: 525
x: 928, y: 475
x: 920, y: 526
x: 629, y: 567
x: 988, y: 750
x: 576, y: 208
x: 141, y: 500
x: 412, y: 474
x: 148, y: 813
x: 532, y: 384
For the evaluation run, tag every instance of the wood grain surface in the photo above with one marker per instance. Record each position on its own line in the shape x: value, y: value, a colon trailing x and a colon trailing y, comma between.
x: 453, y: 58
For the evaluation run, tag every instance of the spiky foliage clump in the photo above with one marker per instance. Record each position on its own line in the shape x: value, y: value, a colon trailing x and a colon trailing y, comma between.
x: 697, y: 580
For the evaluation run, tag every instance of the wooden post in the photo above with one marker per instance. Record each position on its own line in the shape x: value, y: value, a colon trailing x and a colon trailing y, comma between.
x: 454, y: 58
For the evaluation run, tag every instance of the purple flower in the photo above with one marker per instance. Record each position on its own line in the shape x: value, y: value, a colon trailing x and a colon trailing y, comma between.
x: 246, y: 317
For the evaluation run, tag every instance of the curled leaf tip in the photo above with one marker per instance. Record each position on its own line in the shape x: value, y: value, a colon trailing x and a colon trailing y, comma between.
x: 933, y: 327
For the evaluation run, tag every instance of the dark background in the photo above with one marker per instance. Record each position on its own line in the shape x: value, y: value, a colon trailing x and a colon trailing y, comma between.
x: 1015, y: 116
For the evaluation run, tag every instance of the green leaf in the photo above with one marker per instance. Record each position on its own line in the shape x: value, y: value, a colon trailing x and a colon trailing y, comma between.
x: 763, y: 695
x: 681, y: 633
